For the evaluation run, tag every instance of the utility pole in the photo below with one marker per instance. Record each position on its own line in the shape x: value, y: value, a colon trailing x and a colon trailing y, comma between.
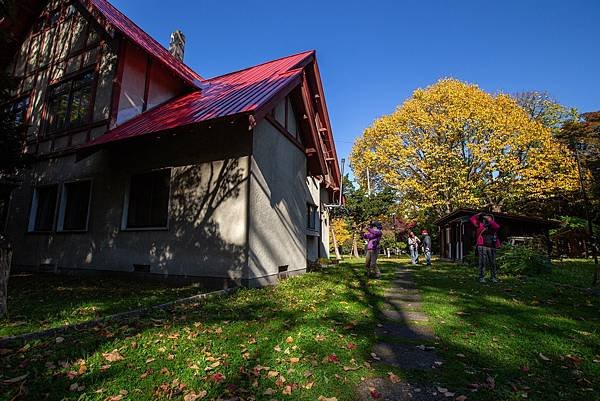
x: 591, y: 237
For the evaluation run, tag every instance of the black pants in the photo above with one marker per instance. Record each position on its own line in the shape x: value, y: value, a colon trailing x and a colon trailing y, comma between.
x: 487, y: 255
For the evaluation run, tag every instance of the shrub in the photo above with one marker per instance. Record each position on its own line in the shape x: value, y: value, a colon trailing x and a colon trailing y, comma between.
x: 522, y: 260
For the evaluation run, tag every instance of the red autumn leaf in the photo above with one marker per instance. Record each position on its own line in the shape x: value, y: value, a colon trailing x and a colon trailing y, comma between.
x: 375, y: 394
x: 333, y: 358
x: 351, y: 346
x: 216, y: 377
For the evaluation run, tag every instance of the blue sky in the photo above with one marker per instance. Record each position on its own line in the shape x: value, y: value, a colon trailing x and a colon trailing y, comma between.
x: 373, y: 54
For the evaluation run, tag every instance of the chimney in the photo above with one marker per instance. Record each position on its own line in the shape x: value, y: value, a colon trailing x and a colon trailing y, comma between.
x: 177, y: 44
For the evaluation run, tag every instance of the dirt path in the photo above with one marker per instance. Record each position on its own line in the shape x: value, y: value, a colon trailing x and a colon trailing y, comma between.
x: 406, y: 340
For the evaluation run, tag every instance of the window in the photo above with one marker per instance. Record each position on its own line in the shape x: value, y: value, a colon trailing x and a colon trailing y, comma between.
x: 18, y: 110
x: 312, y: 217
x: 148, y: 203
x: 75, y: 206
x: 69, y: 103
x: 43, y: 208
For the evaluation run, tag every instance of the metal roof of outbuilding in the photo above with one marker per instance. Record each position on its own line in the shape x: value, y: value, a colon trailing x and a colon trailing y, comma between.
x: 465, y: 212
x: 239, y: 92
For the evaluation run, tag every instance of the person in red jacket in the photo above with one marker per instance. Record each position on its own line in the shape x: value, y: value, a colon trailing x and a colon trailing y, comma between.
x: 486, y: 233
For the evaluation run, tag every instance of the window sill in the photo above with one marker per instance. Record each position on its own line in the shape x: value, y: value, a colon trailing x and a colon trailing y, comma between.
x: 82, y: 231
x: 145, y: 229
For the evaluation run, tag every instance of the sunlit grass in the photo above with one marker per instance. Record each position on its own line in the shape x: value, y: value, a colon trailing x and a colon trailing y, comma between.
x: 538, y: 338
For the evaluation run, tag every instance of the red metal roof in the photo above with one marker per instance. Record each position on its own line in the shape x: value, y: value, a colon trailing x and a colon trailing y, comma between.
x: 238, y: 92
x: 135, y: 34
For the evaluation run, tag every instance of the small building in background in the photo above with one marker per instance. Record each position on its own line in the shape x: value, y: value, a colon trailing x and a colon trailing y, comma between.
x: 457, y: 234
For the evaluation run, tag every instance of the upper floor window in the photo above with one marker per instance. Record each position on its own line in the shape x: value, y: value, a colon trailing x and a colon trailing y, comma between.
x: 69, y: 103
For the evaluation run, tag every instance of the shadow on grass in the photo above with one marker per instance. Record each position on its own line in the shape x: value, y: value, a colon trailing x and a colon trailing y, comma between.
x: 330, y: 317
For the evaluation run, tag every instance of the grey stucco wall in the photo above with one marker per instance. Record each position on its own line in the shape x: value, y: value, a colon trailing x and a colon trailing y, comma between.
x: 278, y: 196
x: 207, y: 230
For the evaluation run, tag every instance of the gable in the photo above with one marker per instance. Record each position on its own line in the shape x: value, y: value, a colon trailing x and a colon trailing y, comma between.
x: 62, y: 45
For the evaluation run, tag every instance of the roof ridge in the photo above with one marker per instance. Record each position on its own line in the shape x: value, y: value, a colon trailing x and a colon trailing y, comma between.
x: 307, y: 52
x: 98, y: 4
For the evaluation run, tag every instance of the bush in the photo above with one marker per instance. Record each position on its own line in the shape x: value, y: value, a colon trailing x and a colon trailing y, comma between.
x: 522, y: 260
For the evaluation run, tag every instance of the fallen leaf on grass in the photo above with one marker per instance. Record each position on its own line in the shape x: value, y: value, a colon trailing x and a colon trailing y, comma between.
x: 217, y: 377
x: 393, y: 378
x: 321, y: 398
x: 113, y: 356
x: 289, y: 340
x: 287, y: 390
x: 269, y: 391
x: 272, y: 373
x: 294, y: 360
x: 461, y: 398
x: 59, y: 340
x: 309, y: 385
x: 319, y: 337
x: 374, y: 356
x: 114, y: 398
x: 192, y: 396
x: 349, y: 368
x: 543, y: 357
x: 280, y: 380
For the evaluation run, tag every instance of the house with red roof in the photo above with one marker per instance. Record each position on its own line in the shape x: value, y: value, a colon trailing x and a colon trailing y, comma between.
x: 142, y: 165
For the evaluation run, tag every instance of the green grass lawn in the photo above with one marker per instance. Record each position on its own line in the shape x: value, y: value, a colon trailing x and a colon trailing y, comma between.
x: 533, y: 338
x: 42, y: 301
x: 312, y: 336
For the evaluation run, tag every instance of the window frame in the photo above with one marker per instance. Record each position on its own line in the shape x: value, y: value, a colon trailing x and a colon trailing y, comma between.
x: 127, y: 197
x: 62, y: 204
x: 312, y: 217
x: 33, y: 210
x: 71, y: 78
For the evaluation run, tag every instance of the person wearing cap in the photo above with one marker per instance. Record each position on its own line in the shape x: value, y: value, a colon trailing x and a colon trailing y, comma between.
x: 426, y: 244
x: 373, y: 236
x: 487, y: 241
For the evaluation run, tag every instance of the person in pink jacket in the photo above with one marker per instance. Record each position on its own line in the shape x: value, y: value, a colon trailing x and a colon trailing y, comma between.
x: 373, y: 236
x: 486, y: 234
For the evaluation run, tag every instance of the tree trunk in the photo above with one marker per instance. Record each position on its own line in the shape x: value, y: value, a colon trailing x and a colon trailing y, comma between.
x: 5, y: 260
x: 336, y: 249
x: 355, y: 246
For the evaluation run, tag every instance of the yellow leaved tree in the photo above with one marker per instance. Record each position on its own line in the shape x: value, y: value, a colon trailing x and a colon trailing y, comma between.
x: 340, y: 234
x: 453, y: 145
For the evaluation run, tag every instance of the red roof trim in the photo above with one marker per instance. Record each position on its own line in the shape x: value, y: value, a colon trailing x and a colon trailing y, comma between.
x: 139, y: 37
x: 244, y: 91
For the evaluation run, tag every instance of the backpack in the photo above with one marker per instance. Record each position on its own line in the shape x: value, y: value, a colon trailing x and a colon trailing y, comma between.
x: 490, y: 238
